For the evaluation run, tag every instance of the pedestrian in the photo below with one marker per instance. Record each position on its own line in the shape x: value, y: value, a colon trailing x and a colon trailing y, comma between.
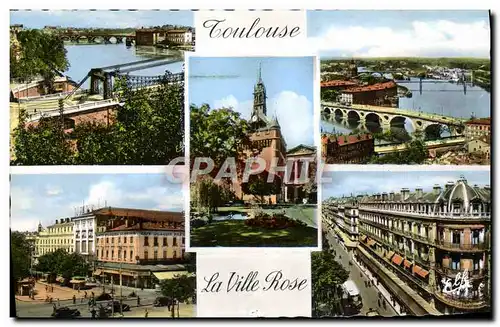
x: 93, y: 312
x: 85, y: 294
x: 146, y: 313
x: 138, y: 300
x: 92, y: 293
x: 58, y: 302
x: 384, y: 304
x: 54, y: 307
x: 74, y: 299
x: 90, y: 303
x: 46, y: 288
x: 378, y: 302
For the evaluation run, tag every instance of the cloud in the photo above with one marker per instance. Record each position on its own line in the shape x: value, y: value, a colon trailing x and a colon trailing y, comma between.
x: 21, y: 198
x: 28, y: 224
x: 425, y: 39
x: 53, y: 190
x: 355, y: 183
x: 294, y: 112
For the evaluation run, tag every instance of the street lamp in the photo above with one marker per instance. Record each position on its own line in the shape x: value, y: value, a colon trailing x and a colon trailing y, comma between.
x: 121, y: 290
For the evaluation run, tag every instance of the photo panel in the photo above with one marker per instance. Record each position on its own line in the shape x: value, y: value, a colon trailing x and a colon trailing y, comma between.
x: 407, y: 87
x: 94, y: 95
x: 253, y: 151
x: 405, y: 242
x: 100, y: 245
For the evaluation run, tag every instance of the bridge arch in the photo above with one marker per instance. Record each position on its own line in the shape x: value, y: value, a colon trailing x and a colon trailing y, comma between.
x: 327, y: 110
x: 339, y: 113
x: 353, y: 115
x: 434, y: 131
x: 373, y: 118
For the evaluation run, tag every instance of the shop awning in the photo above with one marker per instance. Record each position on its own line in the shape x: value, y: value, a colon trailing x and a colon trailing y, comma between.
x: 363, y: 238
x: 371, y: 242
x: 389, y: 255
x: 169, y: 274
x: 422, y: 273
x: 397, y: 259
x: 97, y: 272
x: 407, y: 263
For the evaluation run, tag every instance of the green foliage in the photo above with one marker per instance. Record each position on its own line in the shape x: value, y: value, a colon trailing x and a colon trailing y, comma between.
x: 63, y: 263
x: 41, y: 54
x: 329, y: 95
x: 217, y: 134
x: 415, y: 153
x: 147, y: 130
x: 20, y: 254
x: 206, y: 195
x: 327, y: 277
x: 43, y: 144
x: 259, y: 186
x: 180, y: 288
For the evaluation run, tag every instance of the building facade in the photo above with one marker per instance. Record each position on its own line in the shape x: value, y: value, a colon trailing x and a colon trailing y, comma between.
x: 57, y: 236
x: 481, y: 145
x: 180, y: 36
x: 379, y: 94
x: 84, y: 233
x: 347, y: 149
x: 437, y: 243
x: 478, y: 127
x: 134, y: 245
x: 304, y: 163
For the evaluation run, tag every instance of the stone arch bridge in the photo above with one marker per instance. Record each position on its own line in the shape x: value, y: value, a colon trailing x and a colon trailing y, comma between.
x: 387, y: 117
x: 106, y: 38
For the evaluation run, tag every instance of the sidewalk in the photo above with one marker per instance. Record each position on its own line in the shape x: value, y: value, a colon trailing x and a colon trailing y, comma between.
x: 185, y: 311
x: 60, y: 292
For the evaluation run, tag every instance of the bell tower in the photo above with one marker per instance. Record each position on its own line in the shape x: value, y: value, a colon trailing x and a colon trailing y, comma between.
x: 259, y: 112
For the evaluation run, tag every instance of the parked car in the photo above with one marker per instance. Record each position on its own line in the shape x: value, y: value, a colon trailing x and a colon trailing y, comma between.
x: 66, y: 312
x: 115, y: 307
x: 103, y: 297
x: 162, y: 301
x: 372, y: 313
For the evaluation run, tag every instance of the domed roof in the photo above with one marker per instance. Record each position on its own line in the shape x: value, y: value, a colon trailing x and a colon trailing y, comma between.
x: 461, y: 191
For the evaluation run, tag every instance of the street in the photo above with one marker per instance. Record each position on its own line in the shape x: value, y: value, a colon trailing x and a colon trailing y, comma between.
x: 369, y: 294
x: 25, y: 309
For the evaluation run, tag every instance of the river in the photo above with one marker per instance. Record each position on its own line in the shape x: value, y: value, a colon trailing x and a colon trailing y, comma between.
x: 84, y: 57
x: 440, y: 97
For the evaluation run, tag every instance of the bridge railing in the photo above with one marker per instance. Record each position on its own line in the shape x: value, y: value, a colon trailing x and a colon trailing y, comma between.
x: 51, y: 96
x: 72, y: 109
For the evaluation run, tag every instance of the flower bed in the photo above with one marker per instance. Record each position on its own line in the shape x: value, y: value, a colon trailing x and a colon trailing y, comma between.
x: 275, y: 221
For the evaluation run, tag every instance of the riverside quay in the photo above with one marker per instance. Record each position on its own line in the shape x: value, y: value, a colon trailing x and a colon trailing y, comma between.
x: 431, y: 250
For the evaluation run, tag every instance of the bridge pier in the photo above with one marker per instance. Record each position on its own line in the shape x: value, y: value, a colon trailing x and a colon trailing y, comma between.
x: 108, y: 86
x: 94, y: 85
x: 107, y: 40
x: 119, y: 39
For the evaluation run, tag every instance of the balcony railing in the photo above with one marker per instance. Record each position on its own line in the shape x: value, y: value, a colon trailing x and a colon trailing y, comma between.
x: 442, y: 215
x: 475, y: 273
x: 459, y: 246
x: 475, y: 302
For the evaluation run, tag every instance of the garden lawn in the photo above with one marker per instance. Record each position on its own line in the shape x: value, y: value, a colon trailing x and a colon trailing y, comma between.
x: 234, y: 233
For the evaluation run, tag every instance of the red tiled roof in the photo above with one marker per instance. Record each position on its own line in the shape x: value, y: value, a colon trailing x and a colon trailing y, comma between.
x: 486, y: 139
x: 479, y: 121
x: 373, y: 87
x: 145, y: 226
x: 177, y: 31
x: 338, y: 83
x: 345, y: 139
x: 153, y: 215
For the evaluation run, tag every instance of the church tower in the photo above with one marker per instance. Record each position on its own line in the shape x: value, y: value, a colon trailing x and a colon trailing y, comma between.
x: 259, y: 111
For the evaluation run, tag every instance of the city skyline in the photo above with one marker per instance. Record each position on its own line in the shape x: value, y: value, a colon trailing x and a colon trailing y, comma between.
x: 47, y: 197
x: 101, y: 18
x: 400, y: 33
x: 345, y: 183
x: 229, y: 82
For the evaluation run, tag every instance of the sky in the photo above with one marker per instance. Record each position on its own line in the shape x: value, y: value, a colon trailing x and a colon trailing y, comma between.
x: 229, y: 82
x: 45, y: 198
x: 393, y: 33
x: 368, y: 182
x: 100, y: 18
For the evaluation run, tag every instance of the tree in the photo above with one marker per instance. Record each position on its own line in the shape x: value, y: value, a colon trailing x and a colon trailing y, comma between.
x: 39, y: 55
x: 327, y: 277
x: 208, y: 195
x: 178, y: 289
x: 64, y: 264
x: 21, y: 255
x: 259, y: 186
x: 217, y: 134
x: 329, y: 95
x: 41, y: 144
x: 311, y: 187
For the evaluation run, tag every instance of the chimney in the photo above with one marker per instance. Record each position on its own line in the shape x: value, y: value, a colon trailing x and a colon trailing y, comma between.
x: 437, y: 188
x: 405, y: 192
x: 67, y: 220
x: 419, y: 192
x: 391, y: 196
x: 487, y: 187
x: 384, y: 196
x: 449, y: 185
x: 57, y: 221
x: 476, y: 187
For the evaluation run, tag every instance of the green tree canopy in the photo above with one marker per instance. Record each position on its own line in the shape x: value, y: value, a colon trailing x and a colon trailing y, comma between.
x: 217, y: 134
x: 259, y: 186
x: 206, y: 195
x: 21, y: 255
x: 63, y: 263
x: 40, y: 55
x: 180, y: 288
